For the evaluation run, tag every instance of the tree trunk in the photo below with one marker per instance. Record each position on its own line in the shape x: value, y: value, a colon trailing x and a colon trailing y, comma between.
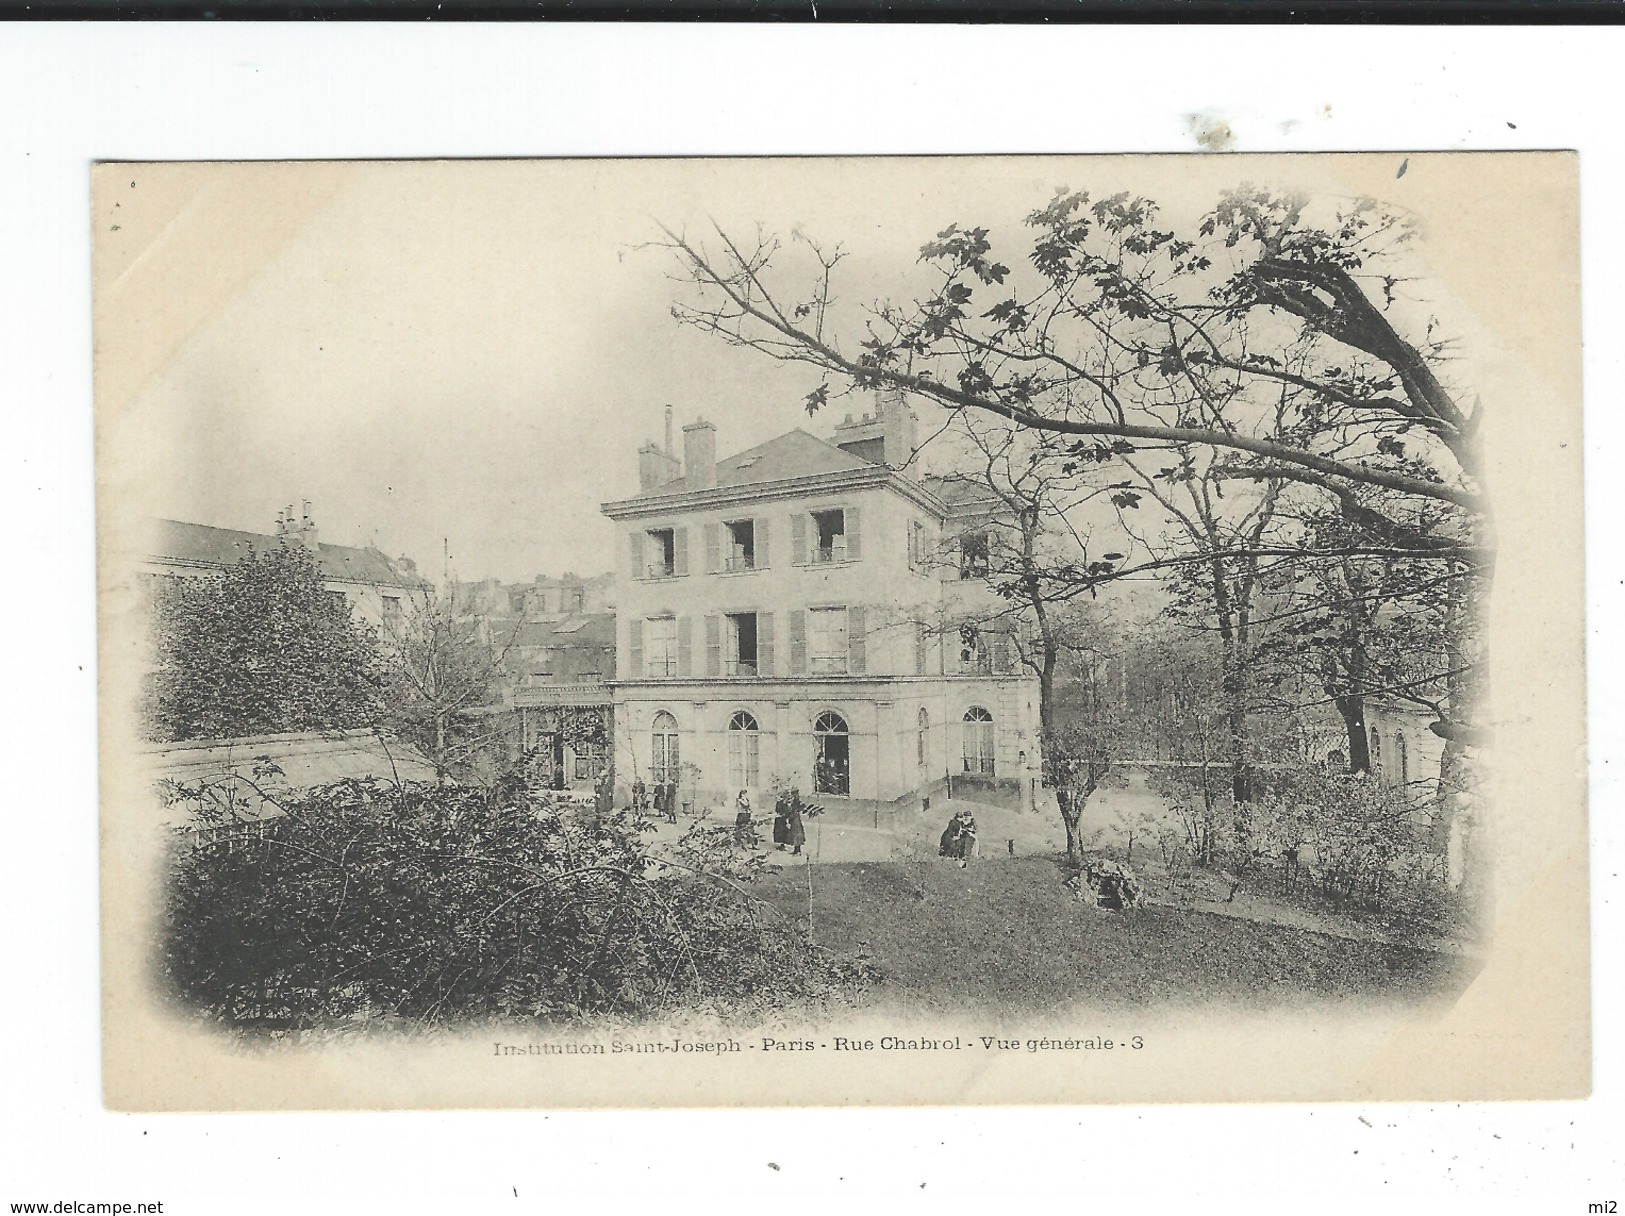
x: 1352, y: 710
x: 1046, y: 688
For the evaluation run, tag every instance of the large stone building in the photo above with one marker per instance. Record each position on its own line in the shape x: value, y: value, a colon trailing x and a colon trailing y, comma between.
x: 805, y: 612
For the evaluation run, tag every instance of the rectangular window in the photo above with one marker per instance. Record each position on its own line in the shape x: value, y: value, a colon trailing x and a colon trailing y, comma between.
x: 662, y: 552
x: 826, y: 641
x: 660, y: 645
x: 740, y: 655
x: 590, y: 759
x: 973, y: 651
x: 973, y: 555
x: 547, y: 661
x: 741, y: 554
x: 917, y: 559
x: 392, y: 609
x: 339, y: 600
x: 831, y: 536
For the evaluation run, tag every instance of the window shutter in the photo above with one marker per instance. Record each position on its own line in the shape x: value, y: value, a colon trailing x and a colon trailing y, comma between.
x: 1004, y: 654
x: 713, y: 545
x: 681, y: 535
x: 685, y: 646
x: 760, y: 527
x: 857, y: 642
x: 764, y: 641
x: 637, y: 554
x: 713, y: 646
x: 634, y: 650
x: 919, y: 648
x: 913, y: 546
x: 854, y: 548
x: 798, y: 641
x: 798, y: 538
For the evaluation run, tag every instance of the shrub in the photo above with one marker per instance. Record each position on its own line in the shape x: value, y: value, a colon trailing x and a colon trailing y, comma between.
x: 439, y: 904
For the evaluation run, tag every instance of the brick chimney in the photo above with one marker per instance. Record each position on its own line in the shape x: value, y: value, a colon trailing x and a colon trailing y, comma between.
x: 294, y: 529
x: 307, y: 528
x: 700, y: 454
x: 657, y: 465
x: 897, y: 426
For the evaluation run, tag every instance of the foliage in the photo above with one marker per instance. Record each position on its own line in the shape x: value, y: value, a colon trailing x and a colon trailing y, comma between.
x: 1233, y: 374
x: 438, y: 904
x: 442, y: 672
x: 259, y: 649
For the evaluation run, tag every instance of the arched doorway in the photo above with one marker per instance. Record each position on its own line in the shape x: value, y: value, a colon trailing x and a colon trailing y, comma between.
x: 832, y: 756
x: 663, y: 756
x: 978, y: 738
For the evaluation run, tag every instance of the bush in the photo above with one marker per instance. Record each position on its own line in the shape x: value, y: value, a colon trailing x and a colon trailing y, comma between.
x: 368, y: 900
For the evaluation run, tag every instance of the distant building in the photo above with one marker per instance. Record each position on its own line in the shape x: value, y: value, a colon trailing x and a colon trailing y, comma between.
x: 561, y: 671
x: 373, y: 586
x: 542, y: 599
x: 811, y: 610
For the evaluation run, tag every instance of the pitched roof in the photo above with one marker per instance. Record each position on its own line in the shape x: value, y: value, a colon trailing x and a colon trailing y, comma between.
x: 793, y: 454
x: 200, y: 544
x: 593, y: 629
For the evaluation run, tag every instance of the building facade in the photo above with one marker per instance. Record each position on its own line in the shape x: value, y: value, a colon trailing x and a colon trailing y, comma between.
x: 797, y: 613
x: 560, y: 671
x: 377, y: 590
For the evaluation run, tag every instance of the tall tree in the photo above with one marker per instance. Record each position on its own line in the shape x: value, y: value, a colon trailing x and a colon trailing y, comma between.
x: 1277, y: 334
x: 444, y: 672
x: 259, y: 649
x: 1029, y: 550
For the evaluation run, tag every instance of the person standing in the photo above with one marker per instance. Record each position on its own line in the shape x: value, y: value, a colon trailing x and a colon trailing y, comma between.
x: 796, y: 834
x: 744, y: 825
x: 781, y: 819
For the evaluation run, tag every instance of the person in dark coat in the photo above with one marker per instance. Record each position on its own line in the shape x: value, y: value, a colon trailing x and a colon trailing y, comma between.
x: 781, y: 819
x: 668, y: 800
x: 967, y: 837
x: 796, y: 834
x: 640, y: 796
x: 948, y: 845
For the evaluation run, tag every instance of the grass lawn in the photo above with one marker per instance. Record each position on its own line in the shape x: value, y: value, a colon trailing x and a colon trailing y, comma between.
x: 1005, y: 935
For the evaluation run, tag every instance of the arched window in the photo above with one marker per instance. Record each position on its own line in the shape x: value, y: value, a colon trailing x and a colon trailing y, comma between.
x: 978, y: 736
x: 1376, y: 754
x: 1402, y: 758
x: 663, y: 758
x: 922, y: 744
x: 832, y: 758
x: 744, y: 752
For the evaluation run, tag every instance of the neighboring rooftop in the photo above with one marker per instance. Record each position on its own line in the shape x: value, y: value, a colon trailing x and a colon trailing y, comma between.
x: 795, y: 454
x: 588, y: 629
x: 202, y: 545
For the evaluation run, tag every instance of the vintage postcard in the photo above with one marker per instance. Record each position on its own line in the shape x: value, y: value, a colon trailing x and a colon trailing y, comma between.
x: 960, y: 630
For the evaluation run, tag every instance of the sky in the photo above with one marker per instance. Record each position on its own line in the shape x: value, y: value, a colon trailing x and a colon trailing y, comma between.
x: 463, y: 357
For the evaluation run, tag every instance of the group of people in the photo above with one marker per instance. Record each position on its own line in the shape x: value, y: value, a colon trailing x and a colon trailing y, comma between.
x: 661, y: 798
x: 959, y: 838
x: 830, y: 775
x: 789, y: 829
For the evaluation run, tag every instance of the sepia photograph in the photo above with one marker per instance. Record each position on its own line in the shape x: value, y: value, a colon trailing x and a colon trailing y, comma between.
x: 839, y: 631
